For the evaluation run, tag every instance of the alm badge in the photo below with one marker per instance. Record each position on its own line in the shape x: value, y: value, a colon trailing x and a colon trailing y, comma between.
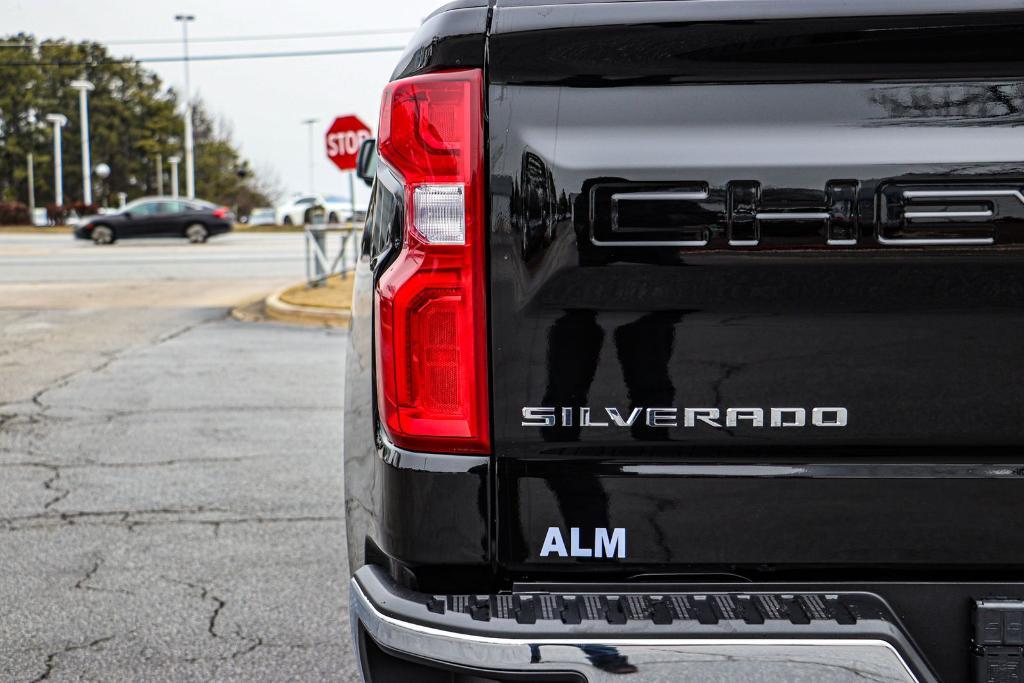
x: 607, y: 543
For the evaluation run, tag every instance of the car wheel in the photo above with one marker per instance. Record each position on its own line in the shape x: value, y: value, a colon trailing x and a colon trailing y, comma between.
x: 333, y: 218
x: 196, y: 233
x: 101, y: 234
x: 287, y: 220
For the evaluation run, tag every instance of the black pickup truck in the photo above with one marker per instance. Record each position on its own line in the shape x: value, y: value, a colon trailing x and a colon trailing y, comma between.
x: 688, y: 345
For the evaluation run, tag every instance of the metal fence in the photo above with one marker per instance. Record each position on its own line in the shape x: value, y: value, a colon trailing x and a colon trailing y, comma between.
x: 322, y: 261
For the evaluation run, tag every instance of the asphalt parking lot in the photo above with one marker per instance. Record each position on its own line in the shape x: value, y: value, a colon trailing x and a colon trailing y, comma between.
x: 171, y: 498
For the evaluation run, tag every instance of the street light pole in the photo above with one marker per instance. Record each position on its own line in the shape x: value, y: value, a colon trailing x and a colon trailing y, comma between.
x: 31, y: 187
x: 58, y: 121
x: 190, y: 166
x: 31, y: 163
x: 83, y: 87
x: 309, y: 125
x: 173, y: 161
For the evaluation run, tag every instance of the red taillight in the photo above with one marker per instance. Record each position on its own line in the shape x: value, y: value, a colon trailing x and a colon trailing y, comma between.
x: 221, y: 212
x: 430, y: 304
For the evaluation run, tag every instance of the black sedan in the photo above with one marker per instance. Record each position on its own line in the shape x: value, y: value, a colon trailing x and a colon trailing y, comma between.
x: 158, y: 217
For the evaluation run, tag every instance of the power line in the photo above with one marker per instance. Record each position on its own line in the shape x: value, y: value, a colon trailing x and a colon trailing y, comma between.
x: 212, y: 58
x: 232, y: 39
x: 267, y: 36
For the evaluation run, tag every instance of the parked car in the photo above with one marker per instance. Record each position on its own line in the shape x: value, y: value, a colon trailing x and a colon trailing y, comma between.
x: 683, y: 346
x: 262, y: 216
x: 194, y: 219
x: 338, y: 209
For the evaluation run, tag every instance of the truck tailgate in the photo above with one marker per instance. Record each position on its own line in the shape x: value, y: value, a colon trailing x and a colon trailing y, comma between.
x: 757, y: 287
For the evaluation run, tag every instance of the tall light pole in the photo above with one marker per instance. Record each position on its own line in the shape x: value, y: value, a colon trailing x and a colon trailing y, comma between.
x: 30, y: 162
x: 190, y: 166
x: 31, y: 186
x: 309, y: 125
x: 173, y: 161
x: 58, y: 121
x: 83, y: 87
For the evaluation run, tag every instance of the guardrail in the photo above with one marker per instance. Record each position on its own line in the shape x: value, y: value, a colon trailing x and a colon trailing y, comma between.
x: 320, y: 264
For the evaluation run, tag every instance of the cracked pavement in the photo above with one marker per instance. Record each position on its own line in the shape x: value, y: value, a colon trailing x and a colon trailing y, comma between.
x: 170, y: 489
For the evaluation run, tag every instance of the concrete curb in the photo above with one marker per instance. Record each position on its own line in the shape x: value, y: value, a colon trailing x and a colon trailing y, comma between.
x: 281, y: 311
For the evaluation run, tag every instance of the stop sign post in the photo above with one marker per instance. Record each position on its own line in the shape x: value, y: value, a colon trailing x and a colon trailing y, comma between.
x: 343, y: 140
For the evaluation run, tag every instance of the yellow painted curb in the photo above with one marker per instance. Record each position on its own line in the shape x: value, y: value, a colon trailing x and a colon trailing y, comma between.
x: 279, y: 310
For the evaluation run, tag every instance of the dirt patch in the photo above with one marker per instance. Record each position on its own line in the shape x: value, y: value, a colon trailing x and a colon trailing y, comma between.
x: 335, y: 294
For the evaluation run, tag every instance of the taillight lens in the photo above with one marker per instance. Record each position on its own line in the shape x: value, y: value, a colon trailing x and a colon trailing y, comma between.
x: 432, y: 389
x: 221, y: 212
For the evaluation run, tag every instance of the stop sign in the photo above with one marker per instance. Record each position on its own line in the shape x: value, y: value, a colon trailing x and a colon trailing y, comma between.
x: 343, y: 139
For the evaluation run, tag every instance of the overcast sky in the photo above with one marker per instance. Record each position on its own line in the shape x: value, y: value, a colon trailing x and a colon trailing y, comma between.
x: 266, y: 99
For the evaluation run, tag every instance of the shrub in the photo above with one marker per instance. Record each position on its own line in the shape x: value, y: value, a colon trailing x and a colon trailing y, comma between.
x: 14, y: 213
x: 82, y: 209
x: 57, y: 213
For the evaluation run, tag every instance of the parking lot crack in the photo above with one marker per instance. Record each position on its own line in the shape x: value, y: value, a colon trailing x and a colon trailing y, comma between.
x: 205, y: 594
x: 51, y: 659
x: 214, y: 625
x: 80, y: 584
x: 253, y: 642
x: 219, y: 605
x: 132, y: 520
x: 84, y: 585
x: 109, y: 358
x: 188, y: 328
x: 131, y: 465
x: 104, y: 517
x: 51, y: 484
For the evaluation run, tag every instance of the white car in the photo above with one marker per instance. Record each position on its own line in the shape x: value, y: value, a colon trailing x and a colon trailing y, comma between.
x: 338, y: 209
x: 262, y: 216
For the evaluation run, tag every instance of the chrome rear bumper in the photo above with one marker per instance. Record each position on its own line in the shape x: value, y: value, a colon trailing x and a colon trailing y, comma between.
x: 427, y: 630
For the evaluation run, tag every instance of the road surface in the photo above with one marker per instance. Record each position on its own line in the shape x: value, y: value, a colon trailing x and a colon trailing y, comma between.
x: 170, y: 478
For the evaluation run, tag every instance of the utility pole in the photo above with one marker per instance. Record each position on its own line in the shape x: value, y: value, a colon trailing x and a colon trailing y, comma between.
x: 31, y: 187
x: 58, y: 121
x: 159, y: 174
x: 83, y: 87
x: 173, y: 161
x: 309, y: 125
x: 190, y: 166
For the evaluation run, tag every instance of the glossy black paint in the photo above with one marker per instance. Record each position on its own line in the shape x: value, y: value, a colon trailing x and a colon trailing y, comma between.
x: 805, y: 107
x: 707, y: 41
x: 451, y: 38
x: 692, y: 516
x: 911, y: 339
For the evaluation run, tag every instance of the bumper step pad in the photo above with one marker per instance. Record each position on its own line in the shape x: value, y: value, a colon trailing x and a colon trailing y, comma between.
x: 751, y: 609
x: 661, y: 627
